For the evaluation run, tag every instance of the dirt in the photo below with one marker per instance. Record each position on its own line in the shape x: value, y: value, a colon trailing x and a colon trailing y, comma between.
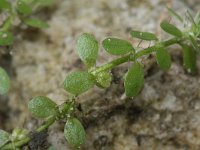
x: 164, y: 116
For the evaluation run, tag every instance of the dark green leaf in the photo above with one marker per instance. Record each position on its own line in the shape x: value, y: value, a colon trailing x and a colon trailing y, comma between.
x: 87, y: 48
x: 78, y: 82
x: 74, y: 132
x: 4, y: 82
x: 6, y: 38
x: 4, y: 4
x: 42, y: 107
x: 23, y: 7
x: 163, y: 58
x: 36, y: 23
x: 117, y: 46
x: 4, y: 138
x: 171, y: 29
x: 189, y: 59
x: 103, y: 79
x: 144, y: 35
x: 134, y: 80
x: 173, y: 13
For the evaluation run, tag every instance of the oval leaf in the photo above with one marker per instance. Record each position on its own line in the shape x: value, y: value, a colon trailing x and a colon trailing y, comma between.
x: 87, y: 49
x: 23, y: 7
x: 4, y: 82
x: 144, y: 35
x: 117, y: 46
x: 171, y: 29
x: 6, y: 38
x: 134, y: 80
x: 74, y: 132
x: 163, y: 58
x: 42, y: 107
x: 4, y: 4
x: 4, y: 138
x: 36, y: 23
x: 78, y: 82
x: 189, y: 59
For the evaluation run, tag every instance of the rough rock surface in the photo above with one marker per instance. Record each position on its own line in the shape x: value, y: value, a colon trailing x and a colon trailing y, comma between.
x: 165, y: 116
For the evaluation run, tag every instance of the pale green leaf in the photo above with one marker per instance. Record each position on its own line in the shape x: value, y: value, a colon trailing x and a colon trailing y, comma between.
x: 117, y: 46
x: 144, y: 35
x: 163, y: 58
x: 4, y: 138
x: 36, y: 23
x: 42, y: 107
x: 134, y: 80
x: 87, y: 49
x: 171, y: 29
x: 78, y: 82
x: 74, y: 132
x: 4, y: 82
x: 6, y: 38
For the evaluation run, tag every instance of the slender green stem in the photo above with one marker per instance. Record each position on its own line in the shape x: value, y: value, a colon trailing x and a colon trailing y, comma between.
x: 130, y: 57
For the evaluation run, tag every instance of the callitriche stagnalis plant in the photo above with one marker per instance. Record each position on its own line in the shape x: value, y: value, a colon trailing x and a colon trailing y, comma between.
x: 79, y: 82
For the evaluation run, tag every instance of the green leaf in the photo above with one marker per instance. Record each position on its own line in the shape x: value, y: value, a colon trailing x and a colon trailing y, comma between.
x: 4, y: 4
x: 42, y: 107
x: 163, y: 58
x: 4, y: 82
x: 103, y: 79
x: 4, y: 138
x: 87, y: 49
x: 78, y: 82
x: 36, y: 23
x: 74, y: 132
x: 23, y: 7
x: 144, y: 35
x: 134, y: 80
x: 189, y: 59
x: 117, y: 46
x: 6, y: 38
x: 173, y: 13
x: 171, y: 29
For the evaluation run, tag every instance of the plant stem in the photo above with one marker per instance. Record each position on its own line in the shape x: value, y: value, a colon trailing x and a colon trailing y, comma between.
x: 130, y: 57
x: 24, y: 141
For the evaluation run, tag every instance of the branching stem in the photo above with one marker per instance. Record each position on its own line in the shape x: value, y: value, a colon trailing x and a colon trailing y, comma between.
x: 130, y: 57
x: 105, y: 67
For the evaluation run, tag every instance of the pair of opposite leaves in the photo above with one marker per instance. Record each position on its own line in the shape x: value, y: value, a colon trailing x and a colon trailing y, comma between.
x: 87, y: 48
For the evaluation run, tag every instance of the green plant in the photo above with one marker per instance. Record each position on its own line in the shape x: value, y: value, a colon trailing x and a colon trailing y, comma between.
x: 79, y: 82
x: 22, y: 10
